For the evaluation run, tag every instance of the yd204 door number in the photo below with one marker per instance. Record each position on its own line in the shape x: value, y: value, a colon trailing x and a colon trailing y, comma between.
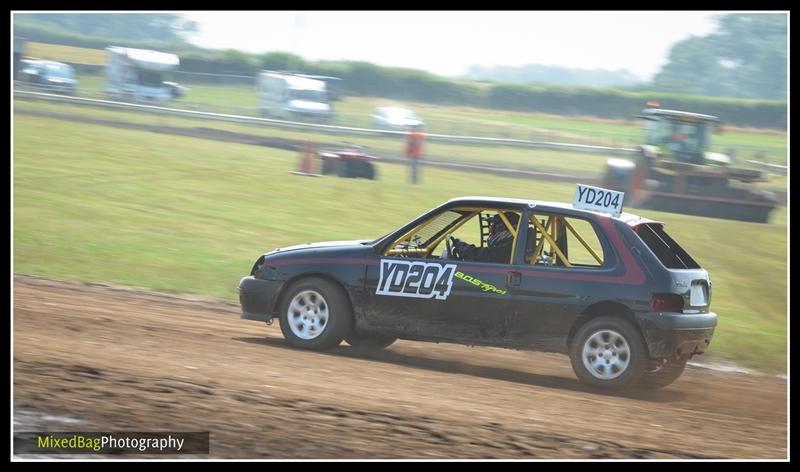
x: 415, y: 279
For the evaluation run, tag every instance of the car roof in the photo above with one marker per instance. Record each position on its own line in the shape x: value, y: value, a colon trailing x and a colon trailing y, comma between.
x: 678, y: 114
x: 627, y: 218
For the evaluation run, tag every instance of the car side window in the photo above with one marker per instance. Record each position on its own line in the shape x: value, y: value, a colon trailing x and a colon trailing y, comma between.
x: 556, y: 240
x: 489, y: 237
x: 469, y: 233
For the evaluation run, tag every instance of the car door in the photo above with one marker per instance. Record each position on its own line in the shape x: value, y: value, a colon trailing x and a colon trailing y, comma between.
x: 435, y: 298
x: 408, y: 296
x: 549, y: 294
x: 480, y: 302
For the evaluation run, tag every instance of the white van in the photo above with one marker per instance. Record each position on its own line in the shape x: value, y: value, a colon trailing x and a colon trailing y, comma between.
x: 292, y: 97
x: 141, y: 75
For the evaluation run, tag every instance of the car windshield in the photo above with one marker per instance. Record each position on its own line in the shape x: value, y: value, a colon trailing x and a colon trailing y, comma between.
x: 425, y: 233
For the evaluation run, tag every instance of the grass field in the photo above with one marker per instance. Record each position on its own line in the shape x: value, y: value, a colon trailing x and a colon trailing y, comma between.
x: 178, y: 214
x: 538, y: 160
x: 529, y: 159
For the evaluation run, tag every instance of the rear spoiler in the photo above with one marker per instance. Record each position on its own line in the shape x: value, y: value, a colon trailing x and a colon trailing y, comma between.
x: 635, y: 221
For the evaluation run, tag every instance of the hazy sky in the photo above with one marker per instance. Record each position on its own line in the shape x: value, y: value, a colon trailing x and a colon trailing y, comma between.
x: 447, y: 42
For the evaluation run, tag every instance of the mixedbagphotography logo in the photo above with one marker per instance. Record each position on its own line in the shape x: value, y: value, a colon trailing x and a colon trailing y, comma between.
x: 48, y: 442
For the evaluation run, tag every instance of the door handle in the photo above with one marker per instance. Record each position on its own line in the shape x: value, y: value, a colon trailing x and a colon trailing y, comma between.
x: 513, y: 278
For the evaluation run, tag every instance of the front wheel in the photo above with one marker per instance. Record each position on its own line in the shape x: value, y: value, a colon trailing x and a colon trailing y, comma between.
x: 315, y: 314
x: 608, y: 352
x: 665, y: 375
x: 369, y: 171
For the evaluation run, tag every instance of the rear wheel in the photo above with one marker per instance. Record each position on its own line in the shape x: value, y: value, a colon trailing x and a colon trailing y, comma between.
x: 369, y: 171
x: 612, y: 180
x: 636, y: 191
x: 343, y: 168
x: 315, y: 314
x: 358, y: 169
x: 665, y: 375
x: 328, y: 166
x: 608, y: 352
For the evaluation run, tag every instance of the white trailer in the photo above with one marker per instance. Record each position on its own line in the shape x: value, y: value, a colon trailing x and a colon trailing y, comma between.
x: 293, y: 97
x: 141, y: 75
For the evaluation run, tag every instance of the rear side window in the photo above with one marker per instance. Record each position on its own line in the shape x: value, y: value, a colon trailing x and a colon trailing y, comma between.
x: 670, y: 253
x: 555, y: 240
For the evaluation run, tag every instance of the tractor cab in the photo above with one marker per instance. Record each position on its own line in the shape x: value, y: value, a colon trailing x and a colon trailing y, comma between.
x: 681, y: 136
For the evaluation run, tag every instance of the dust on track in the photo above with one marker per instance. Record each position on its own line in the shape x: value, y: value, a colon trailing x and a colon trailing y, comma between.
x: 129, y: 360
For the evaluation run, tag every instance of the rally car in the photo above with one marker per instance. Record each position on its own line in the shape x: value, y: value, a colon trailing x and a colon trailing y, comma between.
x: 611, y: 290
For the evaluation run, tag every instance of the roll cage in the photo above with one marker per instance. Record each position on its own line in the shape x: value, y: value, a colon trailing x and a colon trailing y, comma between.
x: 546, y: 237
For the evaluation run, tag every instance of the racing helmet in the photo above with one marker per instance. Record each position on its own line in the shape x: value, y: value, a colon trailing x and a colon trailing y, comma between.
x: 498, y: 232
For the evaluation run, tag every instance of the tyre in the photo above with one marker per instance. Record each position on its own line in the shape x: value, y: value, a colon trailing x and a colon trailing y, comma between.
x: 328, y: 166
x: 636, y: 186
x: 343, y: 168
x: 369, y: 171
x: 611, y: 179
x: 608, y: 352
x: 369, y: 342
x: 315, y: 314
x: 357, y: 169
x: 664, y: 375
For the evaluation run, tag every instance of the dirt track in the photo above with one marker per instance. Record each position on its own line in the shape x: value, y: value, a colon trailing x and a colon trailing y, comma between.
x: 129, y: 361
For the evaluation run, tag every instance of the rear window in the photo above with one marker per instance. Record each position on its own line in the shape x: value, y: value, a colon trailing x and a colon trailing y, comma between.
x: 670, y: 253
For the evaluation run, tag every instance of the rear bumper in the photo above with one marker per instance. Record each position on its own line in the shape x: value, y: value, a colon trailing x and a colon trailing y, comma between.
x: 258, y: 298
x: 677, y: 334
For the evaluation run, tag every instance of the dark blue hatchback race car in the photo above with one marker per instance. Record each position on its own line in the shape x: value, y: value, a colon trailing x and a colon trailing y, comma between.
x: 611, y: 290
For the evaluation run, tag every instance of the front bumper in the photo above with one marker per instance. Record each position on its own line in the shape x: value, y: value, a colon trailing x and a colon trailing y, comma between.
x: 258, y: 298
x: 676, y: 334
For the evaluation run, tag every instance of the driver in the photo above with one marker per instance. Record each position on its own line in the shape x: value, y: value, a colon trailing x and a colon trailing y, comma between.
x: 499, y: 242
